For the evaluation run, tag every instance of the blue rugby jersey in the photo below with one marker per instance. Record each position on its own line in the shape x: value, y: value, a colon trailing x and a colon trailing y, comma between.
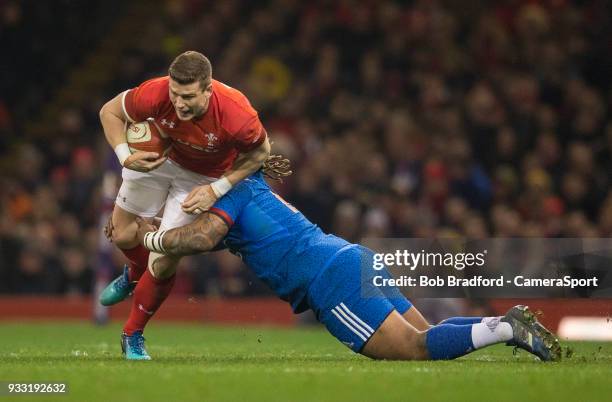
x: 275, y: 240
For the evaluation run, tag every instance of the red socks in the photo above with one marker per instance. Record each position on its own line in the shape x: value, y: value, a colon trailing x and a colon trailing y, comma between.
x: 149, y: 294
x: 139, y: 258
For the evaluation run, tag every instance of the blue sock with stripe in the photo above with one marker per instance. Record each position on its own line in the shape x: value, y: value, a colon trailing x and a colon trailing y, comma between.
x: 462, y: 320
x: 448, y: 341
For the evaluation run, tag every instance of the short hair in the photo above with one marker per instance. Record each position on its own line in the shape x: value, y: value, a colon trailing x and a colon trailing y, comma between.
x: 190, y: 67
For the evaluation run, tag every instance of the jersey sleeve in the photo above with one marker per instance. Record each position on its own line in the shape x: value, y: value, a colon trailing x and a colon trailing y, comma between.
x: 144, y: 101
x: 251, y: 135
x: 231, y: 204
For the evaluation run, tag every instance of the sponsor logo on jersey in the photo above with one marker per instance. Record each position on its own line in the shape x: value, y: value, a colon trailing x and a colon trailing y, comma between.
x: 168, y: 123
x: 212, y: 142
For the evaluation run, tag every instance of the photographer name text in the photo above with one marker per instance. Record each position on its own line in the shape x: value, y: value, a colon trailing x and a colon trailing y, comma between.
x: 480, y: 281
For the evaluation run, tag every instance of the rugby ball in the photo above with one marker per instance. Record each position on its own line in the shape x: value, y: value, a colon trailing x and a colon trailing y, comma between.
x: 146, y: 136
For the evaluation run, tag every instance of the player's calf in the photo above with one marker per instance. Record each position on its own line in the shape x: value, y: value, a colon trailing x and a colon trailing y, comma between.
x: 121, y: 229
x: 149, y: 295
x: 396, y: 339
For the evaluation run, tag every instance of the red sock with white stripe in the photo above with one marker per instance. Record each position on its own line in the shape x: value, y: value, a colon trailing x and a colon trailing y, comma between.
x: 149, y: 295
x: 139, y: 258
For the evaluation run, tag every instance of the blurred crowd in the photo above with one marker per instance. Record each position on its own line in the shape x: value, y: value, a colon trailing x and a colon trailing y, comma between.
x: 401, y: 118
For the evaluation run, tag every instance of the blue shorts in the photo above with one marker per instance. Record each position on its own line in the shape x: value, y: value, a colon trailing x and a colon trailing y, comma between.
x: 348, y: 304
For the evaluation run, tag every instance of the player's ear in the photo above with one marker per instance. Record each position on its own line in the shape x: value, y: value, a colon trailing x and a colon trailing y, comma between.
x: 208, y: 88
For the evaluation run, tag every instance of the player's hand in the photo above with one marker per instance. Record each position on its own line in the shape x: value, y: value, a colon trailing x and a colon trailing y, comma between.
x: 144, y: 226
x: 200, y: 199
x: 144, y: 161
x: 276, y: 167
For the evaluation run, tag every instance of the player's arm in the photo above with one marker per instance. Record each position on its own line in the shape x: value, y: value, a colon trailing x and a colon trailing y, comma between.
x: 248, y: 163
x: 114, y: 121
x: 203, y: 197
x: 200, y: 236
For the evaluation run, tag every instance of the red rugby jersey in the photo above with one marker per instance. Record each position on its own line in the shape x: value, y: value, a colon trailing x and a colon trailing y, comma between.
x: 209, y: 144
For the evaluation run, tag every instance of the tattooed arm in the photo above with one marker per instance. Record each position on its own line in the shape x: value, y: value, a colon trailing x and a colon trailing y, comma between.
x: 201, y: 235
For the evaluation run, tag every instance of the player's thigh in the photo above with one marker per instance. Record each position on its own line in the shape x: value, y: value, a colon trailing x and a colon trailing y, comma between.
x: 401, y: 304
x: 396, y: 339
x: 143, y: 194
x: 162, y: 266
x: 353, y: 320
x: 349, y: 305
x: 183, y: 182
x: 174, y: 216
x: 140, y: 194
x: 372, y: 327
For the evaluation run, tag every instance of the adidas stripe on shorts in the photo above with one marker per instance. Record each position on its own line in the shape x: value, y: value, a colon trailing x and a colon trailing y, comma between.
x: 348, y: 304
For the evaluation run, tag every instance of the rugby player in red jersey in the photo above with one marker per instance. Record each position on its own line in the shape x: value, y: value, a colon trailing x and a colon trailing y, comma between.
x: 217, y: 141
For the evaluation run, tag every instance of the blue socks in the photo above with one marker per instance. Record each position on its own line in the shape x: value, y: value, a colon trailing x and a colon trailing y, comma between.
x: 448, y: 341
x: 462, y: 320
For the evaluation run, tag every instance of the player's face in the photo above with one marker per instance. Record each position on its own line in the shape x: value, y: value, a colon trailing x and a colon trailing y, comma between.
x: 189, y: 100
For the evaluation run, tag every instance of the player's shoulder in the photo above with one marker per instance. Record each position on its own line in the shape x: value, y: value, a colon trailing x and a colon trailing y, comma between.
x: 229, y: 96
x: 235, y: 110
x: 149, y: 99
x: 153, y: 91
x: 157, y: 84
x: 251, y: 185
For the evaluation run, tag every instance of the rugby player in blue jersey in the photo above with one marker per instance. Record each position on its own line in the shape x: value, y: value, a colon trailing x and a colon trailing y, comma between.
x: 322, y: 272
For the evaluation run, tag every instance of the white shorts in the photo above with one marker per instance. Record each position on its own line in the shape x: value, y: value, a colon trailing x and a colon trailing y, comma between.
x: 144, y: 194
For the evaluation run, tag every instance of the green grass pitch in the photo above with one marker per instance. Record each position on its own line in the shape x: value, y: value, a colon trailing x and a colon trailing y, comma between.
x: 203, y: 363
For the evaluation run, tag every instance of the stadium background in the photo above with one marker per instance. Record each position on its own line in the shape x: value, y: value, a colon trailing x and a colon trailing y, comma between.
x: 401, y: 118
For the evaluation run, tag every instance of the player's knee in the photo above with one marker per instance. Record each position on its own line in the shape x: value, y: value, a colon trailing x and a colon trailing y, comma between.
x: 414, y: 348
x: 407, y: 345
x: 124, y: 238
x: 161, y: 266
x: 123, y: 229
x: 396, y: 339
